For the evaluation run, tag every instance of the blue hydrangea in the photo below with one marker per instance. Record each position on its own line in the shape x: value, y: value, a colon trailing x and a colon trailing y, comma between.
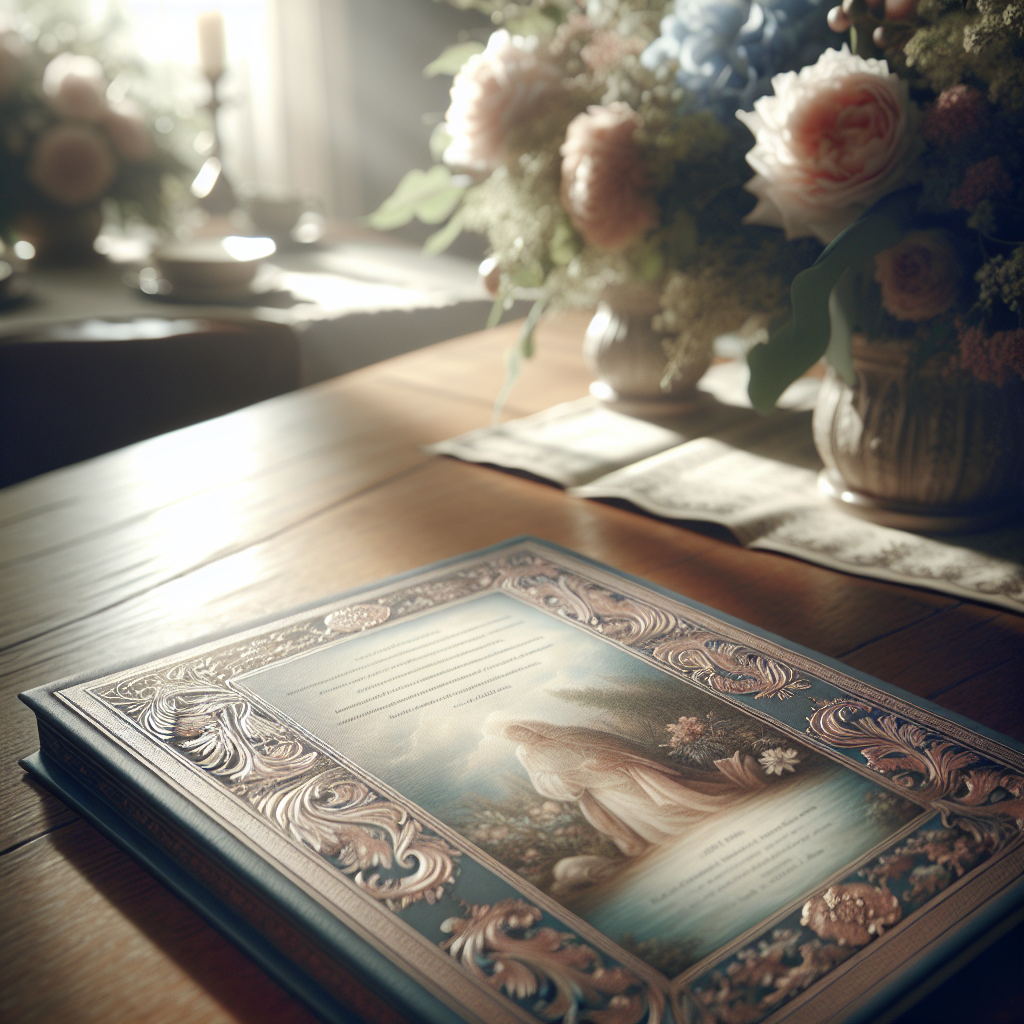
x: 728, y: 50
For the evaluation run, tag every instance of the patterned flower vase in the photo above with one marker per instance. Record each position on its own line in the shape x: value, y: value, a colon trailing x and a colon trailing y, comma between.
x: 921, y: 447
x: 62, y: 237
x: 627, y: 355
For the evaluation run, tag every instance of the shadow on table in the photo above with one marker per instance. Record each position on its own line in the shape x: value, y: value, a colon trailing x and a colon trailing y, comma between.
x: 230, y: 977
x: 73, y: 391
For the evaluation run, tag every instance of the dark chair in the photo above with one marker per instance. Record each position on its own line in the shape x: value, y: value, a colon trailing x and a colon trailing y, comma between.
x: 72, y: 391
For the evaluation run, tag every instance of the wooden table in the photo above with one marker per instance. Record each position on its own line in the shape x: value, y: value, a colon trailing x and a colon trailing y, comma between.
x: 298, y: 498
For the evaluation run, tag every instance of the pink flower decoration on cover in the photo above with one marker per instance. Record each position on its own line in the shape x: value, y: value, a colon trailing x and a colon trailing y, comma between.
x: 835, y: 138
x: 75, y: 87
x: 605, y: 185
x: 71, y: 164
x: 493, y: 93
x: 920, y: 276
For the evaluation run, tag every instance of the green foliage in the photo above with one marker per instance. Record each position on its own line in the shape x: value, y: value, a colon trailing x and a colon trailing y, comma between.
x: 796, y: 346
x: 430, y: 196
x: 524, y: 349
x: 1002, y: 279
x: 981, y: 42
x: 565, y: 243
x: 451, y: 59
x: 140, y: 188
x: 439, y: 241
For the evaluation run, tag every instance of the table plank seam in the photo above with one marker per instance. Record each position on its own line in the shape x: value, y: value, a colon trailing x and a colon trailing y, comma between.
x: 981, y: 672
x: 899, y: 629
x: 39, y: 835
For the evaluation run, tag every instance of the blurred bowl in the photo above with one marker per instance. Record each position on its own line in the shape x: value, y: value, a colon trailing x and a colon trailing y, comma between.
x: 274, y: 215
x: 213, y: 264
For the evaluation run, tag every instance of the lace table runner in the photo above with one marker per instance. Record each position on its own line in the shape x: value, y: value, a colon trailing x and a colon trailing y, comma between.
x: 754, y: 475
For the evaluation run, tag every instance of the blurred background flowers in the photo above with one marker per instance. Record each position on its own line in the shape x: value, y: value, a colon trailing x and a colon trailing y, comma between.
x: 75, y: 129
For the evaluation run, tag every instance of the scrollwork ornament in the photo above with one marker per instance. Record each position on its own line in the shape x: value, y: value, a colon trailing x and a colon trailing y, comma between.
x: 566, y: 980
x: 970, y: 792
x: 728, y: 667
x: 341, y: 818
x: 225, y: 735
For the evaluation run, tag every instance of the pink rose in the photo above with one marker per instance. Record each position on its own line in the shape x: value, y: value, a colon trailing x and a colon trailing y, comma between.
x: 128, y: 133
x: 496, y: 91
x: 71, y: 164
x: 75, y: 86
x: 605, y: 186
x: 920, y: 276
x: 836, y: 137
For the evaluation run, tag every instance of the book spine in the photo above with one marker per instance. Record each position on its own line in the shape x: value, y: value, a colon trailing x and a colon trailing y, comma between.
x: 217, y: 879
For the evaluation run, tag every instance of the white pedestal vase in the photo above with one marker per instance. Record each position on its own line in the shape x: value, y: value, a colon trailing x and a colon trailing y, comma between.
x: 628, y: 357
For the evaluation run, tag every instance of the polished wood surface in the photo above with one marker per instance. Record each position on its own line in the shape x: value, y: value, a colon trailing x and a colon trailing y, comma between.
x: 292, y: 500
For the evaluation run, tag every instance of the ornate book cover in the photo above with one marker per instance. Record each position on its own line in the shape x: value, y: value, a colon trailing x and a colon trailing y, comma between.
x: 521, y: 786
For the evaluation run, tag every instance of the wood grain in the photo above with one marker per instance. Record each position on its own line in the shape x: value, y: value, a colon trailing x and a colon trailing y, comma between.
x: 287, y: 503
x: 128, y: 950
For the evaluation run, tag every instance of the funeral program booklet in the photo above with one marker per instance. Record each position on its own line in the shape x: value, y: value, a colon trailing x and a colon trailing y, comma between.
x: 535, y: 789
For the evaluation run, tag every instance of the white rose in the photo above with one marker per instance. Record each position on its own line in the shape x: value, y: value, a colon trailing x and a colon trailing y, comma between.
x: 493, y: 93
x: 835, y: 138
x: 75, y: 86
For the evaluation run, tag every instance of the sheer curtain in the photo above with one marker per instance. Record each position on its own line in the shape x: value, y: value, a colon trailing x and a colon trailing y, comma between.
x: 302, y: 116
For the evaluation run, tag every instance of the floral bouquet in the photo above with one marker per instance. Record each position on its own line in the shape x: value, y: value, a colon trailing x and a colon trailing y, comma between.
x: 70, y: 139
x: 596, y: 155
x: 751, y: 161
x: 905, y: 156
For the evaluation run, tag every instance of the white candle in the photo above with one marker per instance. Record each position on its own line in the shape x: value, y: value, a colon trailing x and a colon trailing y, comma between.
x: 210, y: 27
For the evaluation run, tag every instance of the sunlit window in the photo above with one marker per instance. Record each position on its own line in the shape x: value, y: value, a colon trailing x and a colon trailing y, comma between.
x: 165, y: 35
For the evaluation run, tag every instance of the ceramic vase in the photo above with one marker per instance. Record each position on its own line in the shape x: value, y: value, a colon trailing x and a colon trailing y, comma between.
x: 919, y: 447
x: 628, y: 358
x: 62, y: 237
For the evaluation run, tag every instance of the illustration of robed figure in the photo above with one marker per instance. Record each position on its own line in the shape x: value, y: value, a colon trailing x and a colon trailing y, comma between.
x: 628, y: 797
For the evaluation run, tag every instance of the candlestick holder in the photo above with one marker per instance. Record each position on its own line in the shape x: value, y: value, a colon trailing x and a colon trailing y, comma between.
x: 211, y: 187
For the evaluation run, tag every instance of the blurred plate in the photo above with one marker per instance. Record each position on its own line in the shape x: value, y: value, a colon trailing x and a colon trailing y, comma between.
x: 264, y: 289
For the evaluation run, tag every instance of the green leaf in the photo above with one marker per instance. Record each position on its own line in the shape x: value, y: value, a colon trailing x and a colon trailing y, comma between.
x: 650, y: 264
x: 431, y: 196
x: 451, y: 60
x: 440, y: 140
x: 796, y: 346
x: 841, y: 304
x: 440, y: 240
x: 524, y: 349
x: 494, y: 317
x: 529, y: 275
x: 564, y: 244
x: 531, y: 23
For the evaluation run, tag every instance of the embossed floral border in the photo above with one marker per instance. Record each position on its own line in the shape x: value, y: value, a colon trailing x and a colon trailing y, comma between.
x: 191, y: 705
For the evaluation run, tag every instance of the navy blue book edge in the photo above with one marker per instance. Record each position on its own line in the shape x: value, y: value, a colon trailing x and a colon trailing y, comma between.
x: 520, y: 785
